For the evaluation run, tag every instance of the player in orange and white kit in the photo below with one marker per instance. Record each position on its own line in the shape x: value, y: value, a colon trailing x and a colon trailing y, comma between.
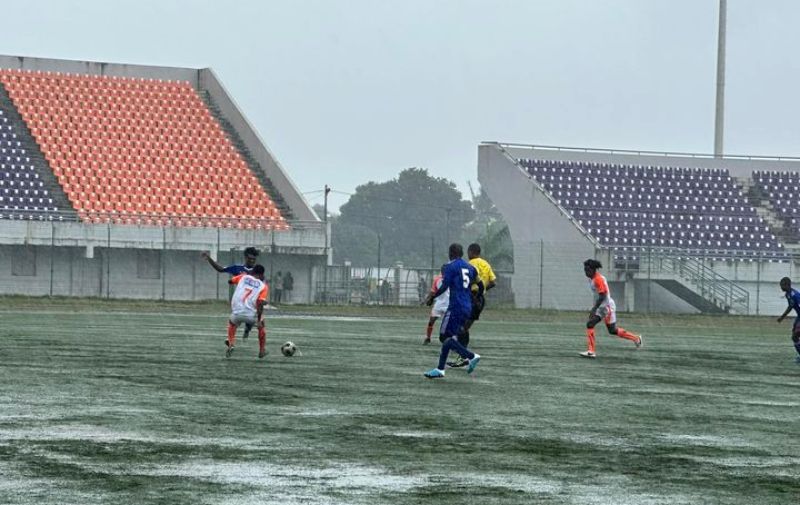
x: 604, y: 309
x: 247, y: 306
x: 439, y: 307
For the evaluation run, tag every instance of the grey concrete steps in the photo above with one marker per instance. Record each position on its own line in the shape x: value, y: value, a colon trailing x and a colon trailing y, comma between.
x: 255, y: 167
x: 688, y: 295
x: 765, y: 211
x: 35, y: 154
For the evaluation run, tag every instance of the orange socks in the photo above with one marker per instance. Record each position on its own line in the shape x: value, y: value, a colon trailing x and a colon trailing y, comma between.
x: 262, y: 339
x: 590, y: 339
x: 231, y: 333
x: 626, y: 334
x: 429, y: 330
x: 621, y: 332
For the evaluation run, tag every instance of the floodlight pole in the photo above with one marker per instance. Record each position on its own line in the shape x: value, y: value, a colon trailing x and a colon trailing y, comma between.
x: 719, y: 122
x: 325, y: 271
x: 433, y: 256
x: 447, y: 225
x: 378, y: 283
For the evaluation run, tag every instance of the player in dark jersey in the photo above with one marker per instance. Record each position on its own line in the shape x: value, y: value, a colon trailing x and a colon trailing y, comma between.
x: 793, y: 298
x: 488, y: 277
x: 457, y: 277
x: 250, y: 258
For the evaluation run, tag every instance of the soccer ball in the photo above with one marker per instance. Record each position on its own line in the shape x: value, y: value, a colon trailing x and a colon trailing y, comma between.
x: 288, y: 349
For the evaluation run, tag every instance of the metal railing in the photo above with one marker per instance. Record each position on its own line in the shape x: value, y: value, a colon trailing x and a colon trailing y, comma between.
x: 715, y: 288
x: 159, y: 220
x: 641, y: 152
x: 396, y: 285
x: 692, y: 271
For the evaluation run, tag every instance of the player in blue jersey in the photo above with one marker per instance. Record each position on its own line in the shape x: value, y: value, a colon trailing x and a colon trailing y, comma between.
x: 793, y: 297
x: 250, y: 258
x: 457, y: 277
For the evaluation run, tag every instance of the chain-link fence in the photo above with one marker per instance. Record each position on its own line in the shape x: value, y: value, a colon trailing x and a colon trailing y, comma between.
x: 64, y: 257
x: 397, y: 285
x: 549, y: 275
x: 161, y: 260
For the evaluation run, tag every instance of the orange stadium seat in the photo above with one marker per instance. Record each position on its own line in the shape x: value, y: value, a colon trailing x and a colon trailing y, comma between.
x: 132, y: 147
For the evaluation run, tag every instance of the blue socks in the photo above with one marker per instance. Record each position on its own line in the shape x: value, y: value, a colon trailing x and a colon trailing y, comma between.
x: 452, y: 344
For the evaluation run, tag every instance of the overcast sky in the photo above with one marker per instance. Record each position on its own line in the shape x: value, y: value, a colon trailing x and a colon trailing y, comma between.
x: 349, y: 91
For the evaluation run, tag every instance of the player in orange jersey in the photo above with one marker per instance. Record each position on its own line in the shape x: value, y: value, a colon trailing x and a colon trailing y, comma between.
x: 604, y: 309
x: 250, y: 259
x: 247, y: 306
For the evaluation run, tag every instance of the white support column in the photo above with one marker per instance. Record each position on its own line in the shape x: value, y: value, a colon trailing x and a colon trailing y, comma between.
x: 630, y: 295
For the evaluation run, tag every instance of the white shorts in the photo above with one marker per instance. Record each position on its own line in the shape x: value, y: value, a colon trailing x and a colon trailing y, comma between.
x: 238, y: 319
x: 438, y: 310
x: 608, y: 313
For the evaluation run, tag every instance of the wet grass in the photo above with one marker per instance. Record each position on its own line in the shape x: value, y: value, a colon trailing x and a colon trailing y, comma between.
x: 129, y: 403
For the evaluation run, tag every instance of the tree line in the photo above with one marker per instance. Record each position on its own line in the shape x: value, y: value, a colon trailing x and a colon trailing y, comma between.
x: 413, y: 218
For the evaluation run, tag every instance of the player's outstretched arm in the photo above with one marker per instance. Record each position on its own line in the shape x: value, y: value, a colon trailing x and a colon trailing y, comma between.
x: 216, y: 266
x: 785, y: 313
x: 439, y: 292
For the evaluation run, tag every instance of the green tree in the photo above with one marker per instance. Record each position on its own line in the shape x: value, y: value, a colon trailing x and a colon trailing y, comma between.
x: 408, y: 213
x: 496, y: 246
x: 490, y: 230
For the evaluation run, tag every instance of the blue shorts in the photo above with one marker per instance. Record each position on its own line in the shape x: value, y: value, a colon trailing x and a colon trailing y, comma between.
x: 452, y: 324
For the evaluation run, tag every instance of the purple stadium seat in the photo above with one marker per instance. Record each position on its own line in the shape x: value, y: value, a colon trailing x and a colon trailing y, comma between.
x: 706, y: 206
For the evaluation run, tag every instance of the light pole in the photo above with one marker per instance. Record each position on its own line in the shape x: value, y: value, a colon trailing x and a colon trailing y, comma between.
x: 719, y: 121
x: 377, y: 232
x: 433, y: 255
x: 447, y: 225
x: 378, y: 284
x: 325, y: 268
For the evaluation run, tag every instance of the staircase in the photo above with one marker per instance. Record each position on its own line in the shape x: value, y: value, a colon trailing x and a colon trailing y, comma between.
x: 693, y: 282
x: 255, y: 166
x: 25, y: 137
x: 765, y: 211
x: 690, y: 297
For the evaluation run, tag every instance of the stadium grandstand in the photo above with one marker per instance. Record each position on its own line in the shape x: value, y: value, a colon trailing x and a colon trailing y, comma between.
x: 148, y: 166
x: 677, y: 232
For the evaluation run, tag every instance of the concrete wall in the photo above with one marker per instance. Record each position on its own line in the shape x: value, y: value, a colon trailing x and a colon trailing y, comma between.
x: 303, y: 240
x: 100, y: 68
x: 73, y: 273
x: 86, y: 256
x: 760, y: 279
x: 302, y: 210
x: 654, y: 298
x: 114, y: 273
x: 549, y: 246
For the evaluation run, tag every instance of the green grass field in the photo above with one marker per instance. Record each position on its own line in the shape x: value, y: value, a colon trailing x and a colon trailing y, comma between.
x: 134, y: 403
